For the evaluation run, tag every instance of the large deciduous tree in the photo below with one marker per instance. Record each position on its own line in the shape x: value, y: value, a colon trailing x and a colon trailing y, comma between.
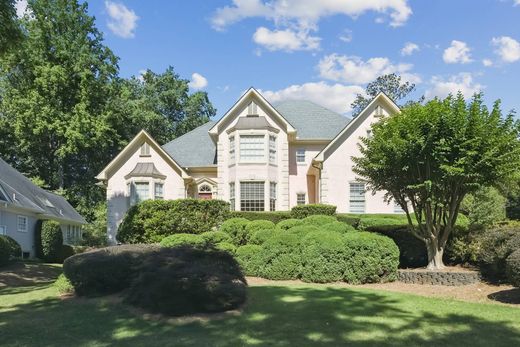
x: 10, y: 31
x: 429, y: 157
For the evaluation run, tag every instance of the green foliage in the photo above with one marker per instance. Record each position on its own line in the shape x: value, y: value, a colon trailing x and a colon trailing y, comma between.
x: 349, y: 219
x: 5, y: 251
x: 63, y: 285
x: 261, y: 236
x: 95, y: 233
x: 275, y: 217
x: 288, y: 223
x: 181, y: 281
x: 248, y: 256
x: 176, y: 240
x: 52, y: 242
x: 338, y: 227
x: 257, y: 225
x: 382, y: 223
x: 302, y: 230
x: 152, y: 220
x: 433, y: 155
x: 226, y: 246
x: 280, y: 257
x: 484, y: 207
x: 10, y: 31
x: 236, y: 228
x: 214, y: 237
x: 302, y: 211
x: 16, y: 250
x: 513, y: 268
x: 319, y: 220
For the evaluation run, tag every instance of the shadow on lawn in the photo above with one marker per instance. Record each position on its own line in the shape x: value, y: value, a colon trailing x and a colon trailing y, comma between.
x: 274, y: 316
x: 27, y: 274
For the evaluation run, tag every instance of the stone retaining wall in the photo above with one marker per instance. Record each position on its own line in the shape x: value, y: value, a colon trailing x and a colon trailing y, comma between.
x: 438, y: 277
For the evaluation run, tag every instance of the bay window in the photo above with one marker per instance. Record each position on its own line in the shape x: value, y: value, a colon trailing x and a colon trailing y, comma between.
x: 252, y: 196
x: 252, y: 148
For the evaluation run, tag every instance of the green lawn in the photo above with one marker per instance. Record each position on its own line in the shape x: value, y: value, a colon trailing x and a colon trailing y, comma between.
x: 301, y: 315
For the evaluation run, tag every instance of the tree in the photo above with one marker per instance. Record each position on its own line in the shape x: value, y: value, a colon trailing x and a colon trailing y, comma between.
x: 389, y: 84
x: 429, y: 157
x: 10, y: 31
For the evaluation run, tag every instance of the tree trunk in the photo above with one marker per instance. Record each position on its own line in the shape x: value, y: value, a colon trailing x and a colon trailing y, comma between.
x: 435, y: 254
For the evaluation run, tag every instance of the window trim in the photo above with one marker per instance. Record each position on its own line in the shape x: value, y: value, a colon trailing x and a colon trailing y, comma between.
x: 298, y: 156
x: 134, y: 191
x: 232, y: 148
x: 260, y: 202
x: 155, y: 196
x: 299, y: 202
x: 272, y: 148
x: 26, y: 222
x: 232, y: 196
x: 273, y: 192
x: 3, y: 229
x: 350, y: 197
x: 261, y: 160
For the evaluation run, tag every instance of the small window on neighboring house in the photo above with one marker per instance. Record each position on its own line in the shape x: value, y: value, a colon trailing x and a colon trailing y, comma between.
x: 232, y: 148
x: 3, y: 230
x: 379, y: 111
x: 22, y: 224
x: 272, y: 196
x: 232, y: 195
x: 252, y: 109
x: 272, y: 149
x: 300, y: 199
x: 300, y: 155
x: 141, y: 192
x: 145, y: 150
x: 159, y: 191
x: 357, y: 197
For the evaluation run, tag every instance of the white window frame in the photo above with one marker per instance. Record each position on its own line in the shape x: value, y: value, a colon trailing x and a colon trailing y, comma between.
x: 378, y: 112
x: 252, y: 109
x: 272, y: 196
x: 145, y: 150
x: 256, y: 146
x: 300, y: 155
x: 156, y: 196
x: 252, y: 203
x: 134, y: 191
x: 232, y: 146
x: 3, y: 230
x: 25, y: 223
x: 232, y: 196
x: 356, y: 199
x: 299, y: 200
x: 272, y: 149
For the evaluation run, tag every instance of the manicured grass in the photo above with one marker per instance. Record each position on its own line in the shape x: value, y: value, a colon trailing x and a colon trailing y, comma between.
x: 275, y: 315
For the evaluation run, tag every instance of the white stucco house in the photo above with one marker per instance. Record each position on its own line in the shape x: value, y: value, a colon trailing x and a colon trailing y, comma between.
x: 23, y: 204
x: 258, y: 157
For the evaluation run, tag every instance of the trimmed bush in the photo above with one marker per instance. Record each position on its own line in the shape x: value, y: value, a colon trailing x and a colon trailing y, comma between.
x: 66, y: 252
x: 256, y: 225
x: 280, y: 257
x: 226, y: 246
x: 382, y: 223
x: 105, y: 270
x: 302, y: 230
x: 348, y: 219
x: 16, y: 249
x: 248, y: 257
x: 153, y: 220
x: 214, y: 237
x: 371, y: 258
x: 63, y: 285
x: 412, y: 251
x: 513, y: 268
x: 5, y: 251
x: 319, y: 220
x: 236, y: 228
x: 52, y: 242
x: 176, y: 240
x: 302, y: 211
x: 338, y: 227
x: 180, y: 281
x: 275, y: 216
x: 261, y: 236
x: 289, y: 223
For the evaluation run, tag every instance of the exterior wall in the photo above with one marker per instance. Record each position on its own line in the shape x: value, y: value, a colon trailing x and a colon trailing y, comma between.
x: 302, y: 177
x: 9, y: 219
x: 337, y: 171
x: 118, y: 199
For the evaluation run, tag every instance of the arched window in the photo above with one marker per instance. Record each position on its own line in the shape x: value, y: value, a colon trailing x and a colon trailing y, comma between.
x: 205, y: 189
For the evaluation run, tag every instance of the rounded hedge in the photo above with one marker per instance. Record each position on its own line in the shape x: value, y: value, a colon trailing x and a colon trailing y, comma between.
x: 236, y: 228
x: 248, y: 256
x: 180, y: 281
x: 319, y: 220
x: 5, y: 251
x: 289, y: 223
x: 302, y: 211
x: 280, y: 257
x: 302, y: 230
x: 176, y: 240
x: 52, y: 242
x: 214, y: 237
x: 226, y: 246
x: 513, y: 268
x: 259, y: 224
x: 261, y: 236
x: 16, y: 249
x: 338, y: 227
x: 496, y: 245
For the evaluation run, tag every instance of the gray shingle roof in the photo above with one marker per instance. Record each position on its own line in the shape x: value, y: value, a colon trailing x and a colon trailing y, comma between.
x: 193, y: 149
x: 255, y: 122
x: 21, y: 192
x: 310, y: 120
x: 145, y: 170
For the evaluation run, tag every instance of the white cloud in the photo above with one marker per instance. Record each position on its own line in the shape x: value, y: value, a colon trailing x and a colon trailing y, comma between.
x: 352, y: 69
x: 458, y: 52
x: 462, y: 82
x: 409, y: 48
x: 336, y: 97
x: 198, y: 81
x: 507, y: 48
x: 488, y: 62
x: 21, y: 7
x: 346, y: 35
x: 308, y: 12
x: 517, y: 2
x: 286, y: 40
x: 123, y: 21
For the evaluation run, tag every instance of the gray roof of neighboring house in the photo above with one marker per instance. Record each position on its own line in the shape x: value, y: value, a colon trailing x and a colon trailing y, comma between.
x: 311, y: 121
x: 193, y: 149
x: 145, y: 170
x: 21, y: 192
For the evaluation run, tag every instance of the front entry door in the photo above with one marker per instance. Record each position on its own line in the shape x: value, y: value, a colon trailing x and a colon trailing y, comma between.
x: 205, y: 196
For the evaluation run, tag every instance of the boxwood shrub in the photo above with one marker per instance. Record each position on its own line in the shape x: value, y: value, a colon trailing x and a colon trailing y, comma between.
x: 302, y: 211
x: 275, y: 217
x: 302, y: 230
x: 338, y: 227
x: 176, y: 240
x: 256, y: 225
x: 52, y: 242
x: 280, y: 257
x: 289, y: 223
x: 248, y: 256
x: 513, y: 268
x: 214, y: 237
x: 261, y: 236
x: 319, y: 220
x: 349, y: 219
x: 5, y: 251
x: 16, y: 249
x: 226, y: 246
x: 152, y: 220
x: 236, y: 228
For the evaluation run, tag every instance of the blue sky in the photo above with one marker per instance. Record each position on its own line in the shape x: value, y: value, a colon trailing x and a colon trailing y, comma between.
x: 325, y: 51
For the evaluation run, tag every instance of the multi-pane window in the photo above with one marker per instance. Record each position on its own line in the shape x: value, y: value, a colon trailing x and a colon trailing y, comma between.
x: 252, y: 196
x: 142, y: 191
x: 300, y: 155
x: 22, y: 224
x: 232, y: 195
x: 145, y: 150
x: 272, y: 149
x: 300, y: 199
x: 159, y: 191
x: 252, y: 148
x: 357, y: 197
x: 232, y: 148
x: 272, y: 196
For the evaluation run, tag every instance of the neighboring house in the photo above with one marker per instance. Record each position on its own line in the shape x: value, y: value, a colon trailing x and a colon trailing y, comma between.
x: 22, y: 204
x: 258, y: 157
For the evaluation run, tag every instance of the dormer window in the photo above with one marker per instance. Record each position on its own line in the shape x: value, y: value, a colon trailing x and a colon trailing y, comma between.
x: 252, y: 110
x: 145, y: 150
x: 379, y: 111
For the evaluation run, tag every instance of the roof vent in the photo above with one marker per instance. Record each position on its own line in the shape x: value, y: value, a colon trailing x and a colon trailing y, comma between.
x: 252, y: 110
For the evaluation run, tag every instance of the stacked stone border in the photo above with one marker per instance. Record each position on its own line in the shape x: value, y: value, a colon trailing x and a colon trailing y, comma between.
x: 438, y: 277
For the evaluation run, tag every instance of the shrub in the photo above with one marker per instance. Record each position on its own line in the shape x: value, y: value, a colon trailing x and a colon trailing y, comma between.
x: 176, y: 240
x: 236, y: 228
x: 348, y: 219
x: 66, y: 251
x: 5, y: 251
x: 319, y: 220
x: 105, y: 270
x: 280, y: 257
x: 52, y: 242
x: 412, y: 251
x: 183, y: 280
x: 513, y: 268
x: 16, y: 250
x: 226, y: 246
x: 302, y: 230
x: 302, y: 211
x: 256, y: 225
x: 463, y: 245
x: 484, y: 207
x: 63, y: 285
x: 275, y: 216
x: 153, y: 220
x: 382, y: 223
x: 261, y: 236
x: 248, y: 256
x: 289, y: 223
x: 214, y: 237
x: 371, y: 258
x: 94, y: 234
x: 338, y: 227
